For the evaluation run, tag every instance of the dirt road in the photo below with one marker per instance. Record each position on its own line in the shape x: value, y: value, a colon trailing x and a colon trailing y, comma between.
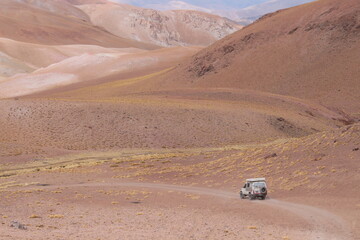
x: 325, y: 225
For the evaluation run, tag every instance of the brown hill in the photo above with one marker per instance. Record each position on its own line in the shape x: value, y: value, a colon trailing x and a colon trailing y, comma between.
x: 54, y: 22
x: 58, y: 7
x: 38, y: 55
x: 208, y: 101
x: 309, y: 52
x: 255, y: 85
x: 65, y: 66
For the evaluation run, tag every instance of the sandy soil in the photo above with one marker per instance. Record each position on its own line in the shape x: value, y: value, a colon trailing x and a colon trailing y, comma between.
x: 107, y: 138
x: 193, y: 193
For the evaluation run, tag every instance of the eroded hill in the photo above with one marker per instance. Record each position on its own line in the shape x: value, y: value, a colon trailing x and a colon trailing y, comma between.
x: 309, y: 52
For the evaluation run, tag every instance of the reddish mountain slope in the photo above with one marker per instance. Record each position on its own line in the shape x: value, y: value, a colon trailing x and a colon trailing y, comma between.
x: 53, y: 23
x: 255, y: 85
x: 310, y: 52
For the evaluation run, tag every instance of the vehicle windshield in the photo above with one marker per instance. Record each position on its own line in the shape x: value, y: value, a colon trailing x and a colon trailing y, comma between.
x: 259, y: 184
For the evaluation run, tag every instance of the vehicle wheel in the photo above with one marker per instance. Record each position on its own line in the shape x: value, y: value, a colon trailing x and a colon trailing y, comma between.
x: 251, y: 197
x: 242, y: 195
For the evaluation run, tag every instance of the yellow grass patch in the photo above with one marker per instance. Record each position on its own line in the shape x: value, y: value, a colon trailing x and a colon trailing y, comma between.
x: 56, y: 216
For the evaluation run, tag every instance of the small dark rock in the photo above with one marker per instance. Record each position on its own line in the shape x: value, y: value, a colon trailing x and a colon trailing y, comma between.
x: 205, y: 69
x: 310, y: 113
x: 293, y: 31
x: 248, y: 37
x: 356, y: 149
x: 271, y: 156
x: 18, y: 225
x: 42, y: 184
x: 319, y: 157
x: 228, y: 49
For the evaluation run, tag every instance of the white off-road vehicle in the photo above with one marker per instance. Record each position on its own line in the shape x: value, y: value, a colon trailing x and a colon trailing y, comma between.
x: 254, y: 188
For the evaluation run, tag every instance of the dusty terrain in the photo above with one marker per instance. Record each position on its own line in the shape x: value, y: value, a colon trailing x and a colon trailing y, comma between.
x: 189, y: 193
x: 104, y: 137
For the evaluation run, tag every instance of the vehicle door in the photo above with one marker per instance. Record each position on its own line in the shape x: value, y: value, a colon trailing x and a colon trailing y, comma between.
x: 243, y: 189
x: 248, y: 188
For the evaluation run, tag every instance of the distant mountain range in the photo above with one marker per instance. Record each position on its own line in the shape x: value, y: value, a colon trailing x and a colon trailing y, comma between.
x: 233, y: 10
x: 162, y: 28
x: 247, y: 15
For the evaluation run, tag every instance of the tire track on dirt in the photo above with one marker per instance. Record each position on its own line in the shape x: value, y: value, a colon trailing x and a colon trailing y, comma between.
x: 326, y: 225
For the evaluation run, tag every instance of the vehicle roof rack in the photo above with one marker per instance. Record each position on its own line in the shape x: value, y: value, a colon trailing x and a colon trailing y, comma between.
x: 256, y: 180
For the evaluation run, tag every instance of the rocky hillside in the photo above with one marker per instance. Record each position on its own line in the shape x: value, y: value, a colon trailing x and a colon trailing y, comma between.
x: 170, y: 28
x: 309, y: 52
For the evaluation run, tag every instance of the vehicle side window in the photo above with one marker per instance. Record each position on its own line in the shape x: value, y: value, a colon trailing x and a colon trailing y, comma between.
x: 244, y: 186
x: 248, y: 185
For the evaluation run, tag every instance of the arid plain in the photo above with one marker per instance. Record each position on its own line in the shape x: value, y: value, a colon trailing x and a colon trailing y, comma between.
x: 140, y: 130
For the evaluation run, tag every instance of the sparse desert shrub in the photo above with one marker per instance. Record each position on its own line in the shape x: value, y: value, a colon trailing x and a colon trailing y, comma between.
x: 56, y: 216
x: 252, y: 227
